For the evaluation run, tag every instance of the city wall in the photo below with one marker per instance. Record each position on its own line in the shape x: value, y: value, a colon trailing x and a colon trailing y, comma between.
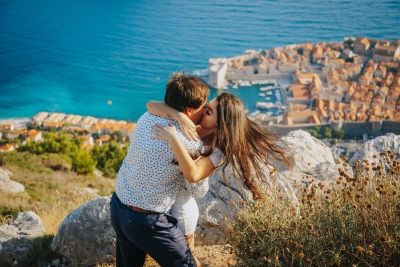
x: 285, y: 129
x: 255, y: 77
x: 352, y: 129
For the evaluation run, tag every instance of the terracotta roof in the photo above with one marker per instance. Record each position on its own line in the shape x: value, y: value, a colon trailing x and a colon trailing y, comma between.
x: 314, y: 119
x: 33, y: 133
x: 294, y: 87
x: 365, y: 41
x: 6, y: 147
x: 53, y: 124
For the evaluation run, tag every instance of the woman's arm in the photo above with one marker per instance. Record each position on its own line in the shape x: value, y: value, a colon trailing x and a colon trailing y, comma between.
x: 193, y: 171
x: 163, y: 110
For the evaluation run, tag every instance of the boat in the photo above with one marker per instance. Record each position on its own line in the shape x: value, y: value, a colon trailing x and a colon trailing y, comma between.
x: 225, y: 87
x: 201, y: 73
x: 269, y: 113
x: 261, y: 94
x: 255, y: 113
x: 244, y: 83
x: 264, y: 105
x: 265, y: 82
x: 267, y: 88
x: 268, y: 93
x: 235, y: 86
x: 267, y: 98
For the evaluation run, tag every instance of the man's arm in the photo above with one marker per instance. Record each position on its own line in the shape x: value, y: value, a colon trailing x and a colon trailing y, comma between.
x: 163, y: 110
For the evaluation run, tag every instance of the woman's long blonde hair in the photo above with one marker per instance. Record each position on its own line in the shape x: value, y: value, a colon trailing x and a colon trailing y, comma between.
x: 246, y: 146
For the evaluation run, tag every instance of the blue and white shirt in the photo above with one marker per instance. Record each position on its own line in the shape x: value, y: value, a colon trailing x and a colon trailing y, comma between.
x: 147, y: 178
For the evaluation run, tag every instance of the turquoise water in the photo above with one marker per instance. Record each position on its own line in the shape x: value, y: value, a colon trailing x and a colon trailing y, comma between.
x: 73, y: 56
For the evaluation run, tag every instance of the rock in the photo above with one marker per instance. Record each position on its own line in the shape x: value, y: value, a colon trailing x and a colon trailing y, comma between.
x: 55, y: 262
x: 310, y: 158
x: 374, y: 147
x: 86, y: 236
x: 88, y: 191
x: 15, y: 237
x: 8, y: 185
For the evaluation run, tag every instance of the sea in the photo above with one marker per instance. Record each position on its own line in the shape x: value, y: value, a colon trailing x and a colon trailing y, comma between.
x: 107, y: 58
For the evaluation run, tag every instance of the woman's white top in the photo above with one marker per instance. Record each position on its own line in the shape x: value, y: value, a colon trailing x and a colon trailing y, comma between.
x: 185, y: 207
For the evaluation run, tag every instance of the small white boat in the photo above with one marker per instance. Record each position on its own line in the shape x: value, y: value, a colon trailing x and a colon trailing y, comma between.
x: 264, y: 105
x: 235, y: 86
x: 269, y: 93
x: 267, y: 88
x: 268, y: 98
x: 269, y: 113
x: 255, y: 113
x: 244, y: 83
x: 201, y: 73
x: 261, y: 94
x: 225, y: 87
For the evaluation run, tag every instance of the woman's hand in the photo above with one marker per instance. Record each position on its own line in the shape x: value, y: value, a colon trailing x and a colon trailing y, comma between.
x: 164, y: 132
x: 187, y: 127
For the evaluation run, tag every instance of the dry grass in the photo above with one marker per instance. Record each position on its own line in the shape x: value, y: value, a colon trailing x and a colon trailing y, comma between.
x: 354, y: 223
x: 48, y: 191
x: 54, y: 194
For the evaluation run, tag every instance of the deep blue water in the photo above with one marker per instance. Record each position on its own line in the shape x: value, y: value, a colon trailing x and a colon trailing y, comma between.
x: 73, y: 56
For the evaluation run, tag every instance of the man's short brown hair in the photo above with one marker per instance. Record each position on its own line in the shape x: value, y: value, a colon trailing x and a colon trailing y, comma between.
x: 185, y: 91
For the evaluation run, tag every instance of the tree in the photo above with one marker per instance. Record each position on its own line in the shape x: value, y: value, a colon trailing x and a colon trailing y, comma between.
x: 349, y: 42
x: 326, y: 132
x: 313, y: 132
x: 338, y: 133
x: 83, y: 163
x: 95, y: 136
x: 109, y: 157
x: 117, y: 136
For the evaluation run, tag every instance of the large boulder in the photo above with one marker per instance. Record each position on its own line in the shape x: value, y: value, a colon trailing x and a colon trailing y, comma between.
x: 86, y: 236
x: 16, y: 235
x: 310, y: 159
x: 8, y: 185
x: 371, y: 150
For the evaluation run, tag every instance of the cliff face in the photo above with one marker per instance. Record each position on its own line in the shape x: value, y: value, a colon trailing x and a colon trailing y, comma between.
x: 311, y: 159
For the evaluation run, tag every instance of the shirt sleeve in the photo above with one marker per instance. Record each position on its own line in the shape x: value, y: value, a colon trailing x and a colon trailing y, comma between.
x: 199, y: 189
x: 216, y: 157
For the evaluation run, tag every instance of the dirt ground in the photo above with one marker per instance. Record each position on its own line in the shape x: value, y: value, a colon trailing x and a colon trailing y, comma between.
x: 209, y: 256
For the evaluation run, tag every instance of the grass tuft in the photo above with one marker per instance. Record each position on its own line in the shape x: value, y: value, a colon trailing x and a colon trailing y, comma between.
x: 354, y: 223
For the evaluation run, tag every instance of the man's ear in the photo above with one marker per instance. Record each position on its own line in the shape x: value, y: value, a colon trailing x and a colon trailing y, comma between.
x: 189, y: 111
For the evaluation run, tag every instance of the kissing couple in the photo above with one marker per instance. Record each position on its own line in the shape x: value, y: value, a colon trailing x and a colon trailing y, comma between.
x: 175, y: 147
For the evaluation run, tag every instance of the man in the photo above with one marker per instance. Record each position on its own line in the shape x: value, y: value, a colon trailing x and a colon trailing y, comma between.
x: 148, y: 182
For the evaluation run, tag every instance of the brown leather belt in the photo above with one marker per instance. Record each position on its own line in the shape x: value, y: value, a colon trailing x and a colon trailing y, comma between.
x: 140, y: 209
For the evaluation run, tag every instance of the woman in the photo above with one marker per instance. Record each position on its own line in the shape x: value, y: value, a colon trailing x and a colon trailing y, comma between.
x: 185, y: 207
x: 232, y: 139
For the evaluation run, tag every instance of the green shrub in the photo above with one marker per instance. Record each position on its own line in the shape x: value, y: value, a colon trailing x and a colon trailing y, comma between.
x: 83, y: 163
x: 355, y: 223
x: 109, y: 157
x: 8, y: 212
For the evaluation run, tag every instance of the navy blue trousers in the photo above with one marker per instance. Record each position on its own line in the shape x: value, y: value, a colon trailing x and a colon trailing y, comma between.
x: 156, y: 234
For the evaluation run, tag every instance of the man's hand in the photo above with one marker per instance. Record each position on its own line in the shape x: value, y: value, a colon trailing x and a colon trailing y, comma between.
x: 164, y: 132
x: 187, y: 127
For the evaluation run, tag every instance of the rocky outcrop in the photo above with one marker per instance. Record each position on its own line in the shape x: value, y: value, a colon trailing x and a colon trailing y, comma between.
x: 86, y: 236
x: 15, y: 236
x: 8, y: 185
x: 310, y: 159
x: 375, y: 147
